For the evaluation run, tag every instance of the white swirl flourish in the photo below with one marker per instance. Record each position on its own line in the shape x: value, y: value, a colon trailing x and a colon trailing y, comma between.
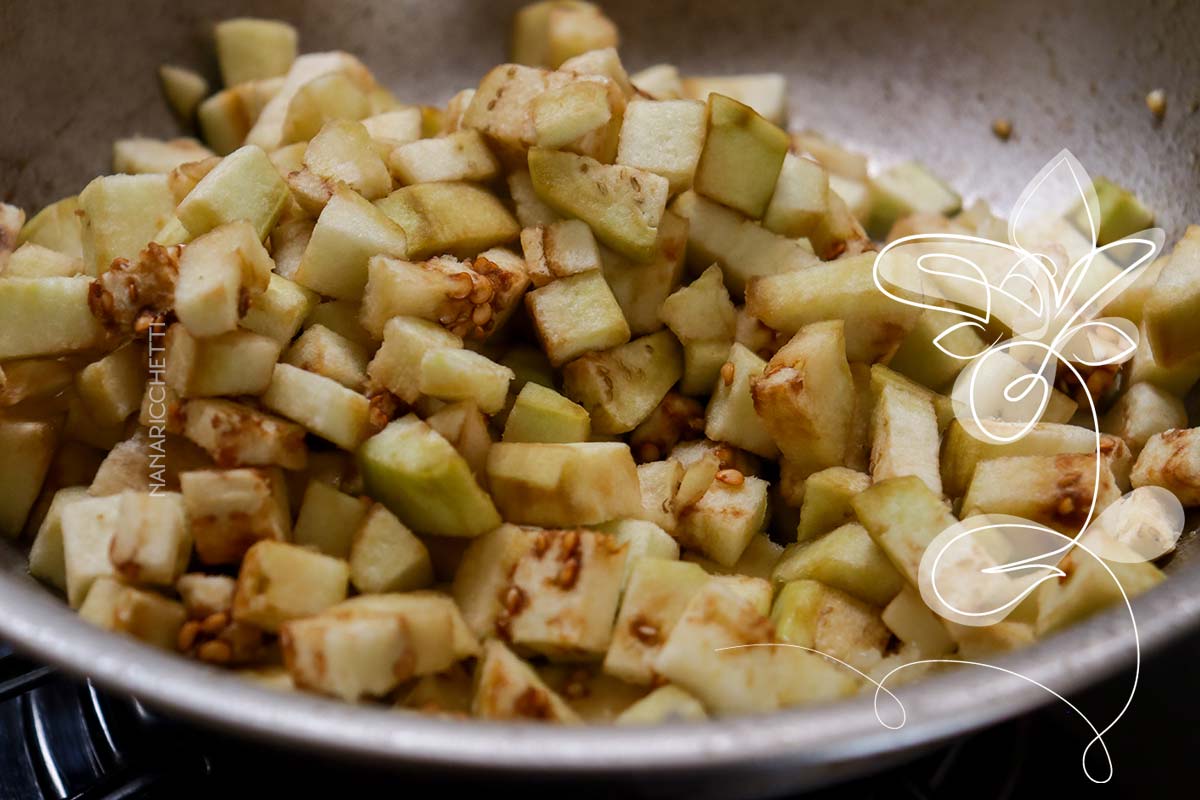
x: 1046, y: 315
x: 1046, y: 287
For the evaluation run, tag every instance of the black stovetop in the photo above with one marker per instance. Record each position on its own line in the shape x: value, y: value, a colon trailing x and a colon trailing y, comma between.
x: 62, y: 738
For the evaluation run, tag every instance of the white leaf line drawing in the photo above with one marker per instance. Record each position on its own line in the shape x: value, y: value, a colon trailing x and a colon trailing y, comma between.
x: 985, y: 285
x: 1061, y: 325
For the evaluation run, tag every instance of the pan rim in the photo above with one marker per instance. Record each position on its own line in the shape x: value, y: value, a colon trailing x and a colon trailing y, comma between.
x: 39, y: 624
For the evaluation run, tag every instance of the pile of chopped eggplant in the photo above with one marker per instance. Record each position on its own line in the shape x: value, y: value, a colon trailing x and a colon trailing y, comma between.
x: 526, y: 405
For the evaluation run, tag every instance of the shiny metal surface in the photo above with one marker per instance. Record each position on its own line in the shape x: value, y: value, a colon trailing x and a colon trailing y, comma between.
x: 896, y: 78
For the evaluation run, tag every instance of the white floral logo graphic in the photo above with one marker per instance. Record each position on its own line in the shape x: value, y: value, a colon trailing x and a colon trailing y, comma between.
x: 1046, y: 289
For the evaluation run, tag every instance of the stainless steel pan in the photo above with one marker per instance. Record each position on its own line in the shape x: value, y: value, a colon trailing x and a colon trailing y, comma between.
x: 920, y: 78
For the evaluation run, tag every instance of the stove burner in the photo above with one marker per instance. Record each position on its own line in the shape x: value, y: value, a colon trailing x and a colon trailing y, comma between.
x: 64, y: 739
